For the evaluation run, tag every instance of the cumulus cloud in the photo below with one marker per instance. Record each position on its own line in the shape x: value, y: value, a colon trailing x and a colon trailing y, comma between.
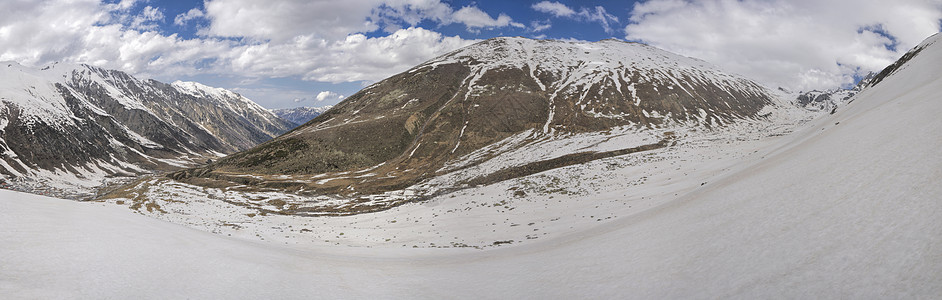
x: 283, y: 20
x: 537, y: 26
x: 555, y: 8
x: 122, y: 5
x: 121, y: 36
x: 327, y: 95
x: 475, y: 18
x: 799, y: 44
x: 355, y: 58
x: 320, y: 97
x: 183, y: 18
x: 414, y: 11
x: 147, y: 19
x: 596, y: 14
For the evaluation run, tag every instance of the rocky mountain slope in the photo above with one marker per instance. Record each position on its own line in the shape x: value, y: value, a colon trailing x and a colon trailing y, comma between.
x: 77, y: 125
x: 472, y: 107
x: 300, y: 115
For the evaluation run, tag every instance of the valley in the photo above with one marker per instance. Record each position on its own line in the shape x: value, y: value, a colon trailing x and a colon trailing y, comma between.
x: 506, y: 167
x: 441, y: 213
x: 796, y: 209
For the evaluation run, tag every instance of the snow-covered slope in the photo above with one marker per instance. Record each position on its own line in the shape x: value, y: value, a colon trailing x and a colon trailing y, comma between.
x: 300, y: 115
x: 77, y: 125
x: 846, y: 207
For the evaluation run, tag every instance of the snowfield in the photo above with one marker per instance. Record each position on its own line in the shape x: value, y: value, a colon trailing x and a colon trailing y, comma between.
x: 847, y: 206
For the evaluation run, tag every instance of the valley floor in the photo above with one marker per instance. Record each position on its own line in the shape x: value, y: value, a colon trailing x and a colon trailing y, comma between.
x: 542, y: 206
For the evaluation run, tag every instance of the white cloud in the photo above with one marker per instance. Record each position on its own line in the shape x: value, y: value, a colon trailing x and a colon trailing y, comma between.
x: 354, y: 58
x: 475, y: 18
x: 327, y: 95
x: 414, y: 11
x: 122, y: 5
x: 555, y: 8
x: 595, y: 14
x: 121, y: 37
x: 283, y: 20
x: 537, y: 26
x: 37, y: 34
x: 147, y: 19
x: 183, y: 18
x: 799, y: 44
x: 598, y: 14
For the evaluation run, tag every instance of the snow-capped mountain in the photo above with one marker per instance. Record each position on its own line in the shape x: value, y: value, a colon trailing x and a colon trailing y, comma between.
x: 300, y: 115
x: 829, y: 100
x: 824, y: 100
x: 847, y: 200
x: 499, y: 109
x: 78, y: 124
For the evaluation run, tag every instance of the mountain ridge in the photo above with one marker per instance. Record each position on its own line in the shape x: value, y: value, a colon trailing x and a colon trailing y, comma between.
x: 474, y: 104
x: 78, y: 125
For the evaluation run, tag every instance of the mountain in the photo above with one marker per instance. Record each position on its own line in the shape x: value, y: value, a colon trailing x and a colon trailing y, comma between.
x: 829, y: 100
x: 78, y: 125
x: 844, y: 207
x: 300, y: 115
x: 479, y: 103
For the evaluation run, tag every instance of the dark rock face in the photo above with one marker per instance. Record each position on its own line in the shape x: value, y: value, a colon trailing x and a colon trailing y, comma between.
x: 892, y: 68
x: 91, y: 122
x: 813, y: 97
x: 409, y: 125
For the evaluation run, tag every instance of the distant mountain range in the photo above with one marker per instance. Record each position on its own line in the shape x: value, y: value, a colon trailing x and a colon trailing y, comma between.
x: 77, y: 125
x: 829, y: 100
x: 300, y: 115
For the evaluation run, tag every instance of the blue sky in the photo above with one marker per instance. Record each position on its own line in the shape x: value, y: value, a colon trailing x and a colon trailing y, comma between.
x: 290, y: 53
x: 535, y: 24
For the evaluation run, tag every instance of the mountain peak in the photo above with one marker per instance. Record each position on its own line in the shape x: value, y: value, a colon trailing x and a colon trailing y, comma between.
x: 501, y: 95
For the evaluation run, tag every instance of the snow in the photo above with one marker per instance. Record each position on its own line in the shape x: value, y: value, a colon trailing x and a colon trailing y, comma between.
x: 22, y: 86
x: 830, y: 211
x: 844, y: 206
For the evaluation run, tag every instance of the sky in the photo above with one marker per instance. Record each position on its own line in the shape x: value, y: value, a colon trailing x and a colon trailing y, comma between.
x: 291, y: 53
